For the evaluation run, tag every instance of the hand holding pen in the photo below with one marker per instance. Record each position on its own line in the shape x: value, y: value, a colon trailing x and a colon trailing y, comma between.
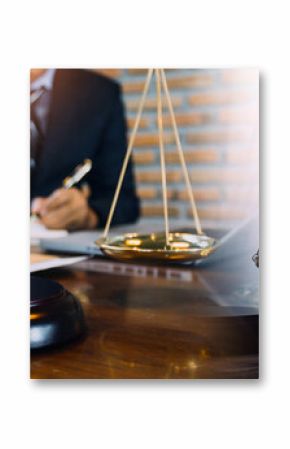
x: 67, y: 207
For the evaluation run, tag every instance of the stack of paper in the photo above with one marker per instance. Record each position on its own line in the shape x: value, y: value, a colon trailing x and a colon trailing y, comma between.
x: 39, y: 231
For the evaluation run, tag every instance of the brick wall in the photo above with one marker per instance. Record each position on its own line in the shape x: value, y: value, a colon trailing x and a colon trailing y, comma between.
x: 217, y: 117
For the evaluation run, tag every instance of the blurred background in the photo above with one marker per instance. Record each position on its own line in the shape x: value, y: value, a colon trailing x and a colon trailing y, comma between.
x: 217, y: 114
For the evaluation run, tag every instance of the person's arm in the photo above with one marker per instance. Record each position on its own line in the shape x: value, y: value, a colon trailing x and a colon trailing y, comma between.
x: 73, y: 209
x: 65, y: 209
x: 106, y: 170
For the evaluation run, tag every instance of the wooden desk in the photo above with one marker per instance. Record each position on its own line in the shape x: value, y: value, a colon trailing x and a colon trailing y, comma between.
x: 154, y: 322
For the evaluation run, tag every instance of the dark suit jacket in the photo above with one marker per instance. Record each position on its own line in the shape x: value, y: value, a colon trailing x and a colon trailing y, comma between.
x: 86, y: 120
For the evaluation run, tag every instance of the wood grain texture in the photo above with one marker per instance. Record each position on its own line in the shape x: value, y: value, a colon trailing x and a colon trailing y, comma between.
x: 153, y: 322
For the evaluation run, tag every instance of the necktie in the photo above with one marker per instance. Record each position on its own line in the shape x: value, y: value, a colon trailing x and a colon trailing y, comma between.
x: 39, y: 105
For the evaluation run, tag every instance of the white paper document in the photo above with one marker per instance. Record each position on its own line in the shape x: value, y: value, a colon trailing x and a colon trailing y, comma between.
x: 39, y: 262
x: 39, y: 231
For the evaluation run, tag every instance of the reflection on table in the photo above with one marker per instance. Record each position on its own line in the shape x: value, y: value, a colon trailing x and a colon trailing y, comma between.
x: 152, y: 321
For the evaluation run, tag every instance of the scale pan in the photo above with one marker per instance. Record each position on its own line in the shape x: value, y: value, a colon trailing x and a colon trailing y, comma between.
x: 182, y: 246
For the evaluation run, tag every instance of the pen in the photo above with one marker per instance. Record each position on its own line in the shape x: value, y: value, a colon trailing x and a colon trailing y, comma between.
x: 79, y: 172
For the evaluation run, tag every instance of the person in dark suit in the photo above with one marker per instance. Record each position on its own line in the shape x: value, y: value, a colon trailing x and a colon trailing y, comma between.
x: 75, y: 115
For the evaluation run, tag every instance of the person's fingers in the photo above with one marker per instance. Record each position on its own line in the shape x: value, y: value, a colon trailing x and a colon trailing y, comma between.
x: 57, y: 199
x: 63, y: 218
x: 86, y: 191
x: 38, y: 205
x: 65, y: 209
x: 57, y: 218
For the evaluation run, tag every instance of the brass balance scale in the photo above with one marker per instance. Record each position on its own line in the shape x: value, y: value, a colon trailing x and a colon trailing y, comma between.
x: 162, y: 246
